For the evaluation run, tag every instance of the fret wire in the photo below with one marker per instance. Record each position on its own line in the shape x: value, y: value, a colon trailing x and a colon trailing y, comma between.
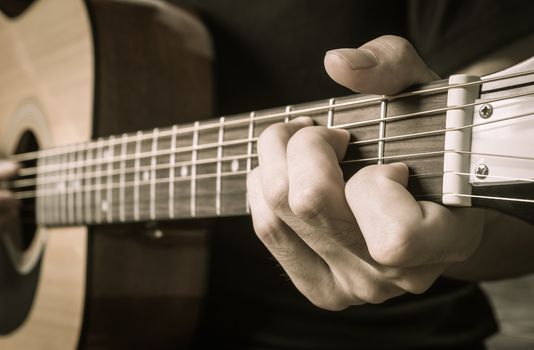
x: 51, y: 202
x: 122, y: 177
x: 194, y: 171
x: 171, y: 171
x: 382, y: 131
x: 55, y: 200
x: 39, y: 204
x: 218, y: 181
x: 98, y: 179
x: 63, y: 183
x: 249, y: 152
x: 79, y: 183
x: 330, y: 118
x: 88, y: 214
x: 153, y: 162
x: 31, y: 171
x: 70, y: 181
x: 287, y: 117
x: 108, y: 205
x: 357, y: 101
x: 59, y: 196
x: 136, y: 175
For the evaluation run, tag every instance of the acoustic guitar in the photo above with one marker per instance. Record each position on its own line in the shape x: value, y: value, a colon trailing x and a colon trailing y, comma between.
x: 110, y: 251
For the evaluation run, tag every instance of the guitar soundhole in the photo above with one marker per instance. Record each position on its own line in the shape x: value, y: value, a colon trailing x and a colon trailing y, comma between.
x: 14, y: 8
x: 17, y: 290
x: 27, y: 143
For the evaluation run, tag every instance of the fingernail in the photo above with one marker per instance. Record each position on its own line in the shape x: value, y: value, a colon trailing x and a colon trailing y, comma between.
x: 342, y: 133
x: 400, y: 165
x: 306, y: 121
x: 356, y: 58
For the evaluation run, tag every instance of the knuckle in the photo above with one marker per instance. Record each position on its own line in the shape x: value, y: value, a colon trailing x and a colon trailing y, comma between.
x: 276, y: 195
x: 328, y: 297
x: 272, y: 132
x: 267, y: 230
x: 307, y: 136
x: 396, y: 45
x: 363, y: 179
x: 394, y: 251
x: 308, y: 203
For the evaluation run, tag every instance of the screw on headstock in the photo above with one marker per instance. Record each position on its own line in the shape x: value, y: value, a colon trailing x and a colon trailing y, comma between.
x: 481, y: 171
x: 485, y: 111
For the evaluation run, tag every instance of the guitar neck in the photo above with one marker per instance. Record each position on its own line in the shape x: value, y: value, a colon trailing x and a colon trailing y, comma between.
x: 200, y: 169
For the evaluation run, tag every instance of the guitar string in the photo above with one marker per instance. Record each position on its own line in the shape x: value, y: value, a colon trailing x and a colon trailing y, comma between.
x: 63, y: 190
x: 511, y: 199
x: 144, y: 212
x: 21, y: 183
x: 108, y: 143
x: 105, y: 173
x: 287, y: 113
x: 42, y: 169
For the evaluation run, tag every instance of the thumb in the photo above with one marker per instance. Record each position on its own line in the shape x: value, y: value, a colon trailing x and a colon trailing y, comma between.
x: 382, y: 66
x: 8, y: 169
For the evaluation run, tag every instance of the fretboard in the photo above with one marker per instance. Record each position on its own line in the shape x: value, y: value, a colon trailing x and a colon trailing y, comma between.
x: 200, y: 169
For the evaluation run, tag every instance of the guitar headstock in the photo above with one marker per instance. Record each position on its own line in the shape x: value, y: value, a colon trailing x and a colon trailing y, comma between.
x: 502, y: 142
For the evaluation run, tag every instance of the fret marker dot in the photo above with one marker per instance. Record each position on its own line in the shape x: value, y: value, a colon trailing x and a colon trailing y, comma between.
x: 234, y: 166
x: 183, y: 171
x: 146, y: 175
x: 104, y: 206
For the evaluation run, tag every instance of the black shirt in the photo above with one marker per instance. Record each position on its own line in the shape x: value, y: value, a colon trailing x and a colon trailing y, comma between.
x: 270, y: 53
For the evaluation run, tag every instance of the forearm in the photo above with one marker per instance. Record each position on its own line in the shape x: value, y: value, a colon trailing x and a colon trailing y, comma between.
x: 505, y: 251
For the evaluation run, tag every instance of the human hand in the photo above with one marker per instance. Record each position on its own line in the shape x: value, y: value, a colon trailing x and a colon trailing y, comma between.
x: 8, y: 202
x: 366, y: 240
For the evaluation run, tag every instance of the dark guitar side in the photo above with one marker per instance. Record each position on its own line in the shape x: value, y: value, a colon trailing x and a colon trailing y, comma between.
x: 152, y: 69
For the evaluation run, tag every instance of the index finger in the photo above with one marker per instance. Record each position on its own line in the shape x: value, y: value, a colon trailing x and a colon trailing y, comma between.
x: 316, y: 190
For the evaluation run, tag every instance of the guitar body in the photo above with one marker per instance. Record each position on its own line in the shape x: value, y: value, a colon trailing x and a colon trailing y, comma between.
x: 71, y: 71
